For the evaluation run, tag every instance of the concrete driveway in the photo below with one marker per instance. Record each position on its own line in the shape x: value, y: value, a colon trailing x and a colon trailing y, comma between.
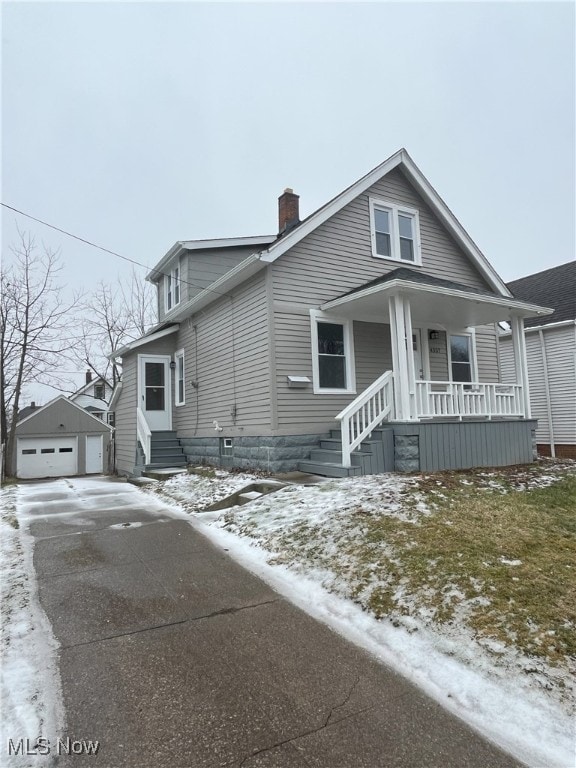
x: 174, y: 655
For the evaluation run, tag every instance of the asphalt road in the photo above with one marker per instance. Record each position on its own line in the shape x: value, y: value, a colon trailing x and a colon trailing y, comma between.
x: 173, y: 655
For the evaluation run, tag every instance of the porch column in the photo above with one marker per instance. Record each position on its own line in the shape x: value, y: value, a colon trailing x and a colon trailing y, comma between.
x: 400, y: 333
x: 520, y: 364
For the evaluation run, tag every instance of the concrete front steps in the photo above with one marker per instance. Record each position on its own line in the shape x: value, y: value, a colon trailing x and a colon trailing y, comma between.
x: 373, y: 455
x: 166, y: 451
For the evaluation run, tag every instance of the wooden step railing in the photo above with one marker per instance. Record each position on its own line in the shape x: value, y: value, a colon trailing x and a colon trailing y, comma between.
x: 144, y: 435
x: 365, y: 413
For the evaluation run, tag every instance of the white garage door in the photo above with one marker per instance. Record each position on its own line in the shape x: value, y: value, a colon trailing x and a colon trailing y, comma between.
x: 47, y: 456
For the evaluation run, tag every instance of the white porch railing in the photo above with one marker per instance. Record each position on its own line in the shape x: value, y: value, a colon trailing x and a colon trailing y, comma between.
x: 449, y: 398
x: 144, y: 435
x: 365, y: 413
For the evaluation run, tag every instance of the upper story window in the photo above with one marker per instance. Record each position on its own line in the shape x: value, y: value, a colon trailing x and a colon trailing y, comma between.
x: 99, y: 391
x: 172, y: 281
x: 395, y: 232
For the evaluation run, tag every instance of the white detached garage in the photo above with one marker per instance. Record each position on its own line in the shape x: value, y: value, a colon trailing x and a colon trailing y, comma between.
x: 61, y: 439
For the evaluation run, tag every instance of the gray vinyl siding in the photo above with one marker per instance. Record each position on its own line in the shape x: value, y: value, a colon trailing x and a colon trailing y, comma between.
x: 337, y: 256
x: 125, y: 416
x: 332, y: 260
x: 199, y: 269
x: 560, y: 348
x: 301, y: 409
x: 438, y: 356
x: 125, y: 409
x: 487, y: 354
x: 226, y: 353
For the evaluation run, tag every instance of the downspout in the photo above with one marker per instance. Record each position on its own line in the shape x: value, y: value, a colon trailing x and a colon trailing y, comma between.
x: 547, y: 391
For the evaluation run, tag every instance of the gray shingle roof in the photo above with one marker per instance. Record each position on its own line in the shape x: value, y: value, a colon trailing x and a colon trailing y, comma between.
x: 404, y: 273
x: 554, y: 288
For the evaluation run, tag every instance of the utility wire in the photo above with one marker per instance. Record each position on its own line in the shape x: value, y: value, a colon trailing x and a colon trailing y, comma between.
x: 107, y: 250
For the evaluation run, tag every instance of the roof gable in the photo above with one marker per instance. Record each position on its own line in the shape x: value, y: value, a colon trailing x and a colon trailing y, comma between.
x: 85, y: 387
x: 68, y: 404
x: 404, y: 162
x: 554, y: 287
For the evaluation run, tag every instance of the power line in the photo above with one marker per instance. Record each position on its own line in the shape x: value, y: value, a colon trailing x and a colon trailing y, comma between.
x: 106, y: 250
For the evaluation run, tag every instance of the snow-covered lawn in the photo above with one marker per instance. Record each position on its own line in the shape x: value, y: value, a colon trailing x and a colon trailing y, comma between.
x: 465, y: 582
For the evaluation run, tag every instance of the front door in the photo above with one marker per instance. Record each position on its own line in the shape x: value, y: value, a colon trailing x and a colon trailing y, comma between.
x: 154, y: 391
x: 417, y: 351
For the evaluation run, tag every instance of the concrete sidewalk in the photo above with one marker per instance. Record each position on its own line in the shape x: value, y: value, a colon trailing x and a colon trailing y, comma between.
x: 173, y: 655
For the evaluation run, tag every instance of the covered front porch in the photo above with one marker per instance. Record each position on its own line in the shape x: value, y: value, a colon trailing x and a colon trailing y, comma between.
x: 436, y: 374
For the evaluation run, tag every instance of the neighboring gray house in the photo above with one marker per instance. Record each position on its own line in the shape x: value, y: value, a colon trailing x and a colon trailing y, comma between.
x: 61, y: 439
x: 376, y: 314
x: 551, y: 356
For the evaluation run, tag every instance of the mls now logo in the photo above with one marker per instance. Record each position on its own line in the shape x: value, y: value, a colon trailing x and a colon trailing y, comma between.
x: 42, y: 746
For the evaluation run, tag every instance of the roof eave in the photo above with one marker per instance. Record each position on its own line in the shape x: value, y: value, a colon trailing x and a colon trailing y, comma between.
x: 231, y: 279
x: 392, y: 286
x: 142, y: 341
x: 183, y: 246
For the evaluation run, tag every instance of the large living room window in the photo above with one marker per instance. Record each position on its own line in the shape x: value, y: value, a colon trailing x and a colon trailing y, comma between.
x: 332, y: 354
x: 395, y: 232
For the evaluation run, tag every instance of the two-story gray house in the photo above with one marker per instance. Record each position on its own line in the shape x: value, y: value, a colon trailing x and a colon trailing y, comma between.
x: 360, y: 339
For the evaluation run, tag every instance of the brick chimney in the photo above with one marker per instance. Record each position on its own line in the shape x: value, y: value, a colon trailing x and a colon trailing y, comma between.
x: 32, y: 405
x: 288, y: 211
x: 88, y: 376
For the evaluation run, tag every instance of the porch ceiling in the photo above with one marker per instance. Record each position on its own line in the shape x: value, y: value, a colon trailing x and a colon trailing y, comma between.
x: 431, y: 304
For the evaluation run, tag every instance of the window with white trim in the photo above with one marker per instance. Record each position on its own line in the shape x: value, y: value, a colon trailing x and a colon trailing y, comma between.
x: 395, y: 232
x: 332, y: 354
x: 172, y: 282
x: 461, y: 362
x: 180, y: 379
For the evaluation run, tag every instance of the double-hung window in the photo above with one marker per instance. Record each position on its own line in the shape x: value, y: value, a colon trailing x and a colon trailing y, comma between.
x: 180, y: 379
x: 173, y: 288
x: 333, y: 354
x: 395, y: 232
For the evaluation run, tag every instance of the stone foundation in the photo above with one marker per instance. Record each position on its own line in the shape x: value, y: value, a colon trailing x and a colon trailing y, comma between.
x: 271, y: 454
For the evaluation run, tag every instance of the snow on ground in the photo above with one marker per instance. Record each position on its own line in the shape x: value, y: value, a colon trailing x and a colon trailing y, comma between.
x: 31, y: 698
x: 210, y: 486
x: 496, y: 690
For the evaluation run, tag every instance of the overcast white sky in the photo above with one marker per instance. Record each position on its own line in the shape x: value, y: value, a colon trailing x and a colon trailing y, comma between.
x: 138, y: 124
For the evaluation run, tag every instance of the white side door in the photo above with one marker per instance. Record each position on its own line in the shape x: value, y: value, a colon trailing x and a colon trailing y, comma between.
x: 94, y: 459
x: 154, y: 391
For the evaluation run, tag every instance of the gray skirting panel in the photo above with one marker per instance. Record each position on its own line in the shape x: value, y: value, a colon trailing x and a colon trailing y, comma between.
x: 433, y: 446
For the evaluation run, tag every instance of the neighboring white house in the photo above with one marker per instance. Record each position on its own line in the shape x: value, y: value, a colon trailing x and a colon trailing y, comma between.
x: 94, y: 396
x: 551, y: 357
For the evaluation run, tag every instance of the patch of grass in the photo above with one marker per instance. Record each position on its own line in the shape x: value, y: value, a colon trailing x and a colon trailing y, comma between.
x: 494, y: 550
x: 202, y: 471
